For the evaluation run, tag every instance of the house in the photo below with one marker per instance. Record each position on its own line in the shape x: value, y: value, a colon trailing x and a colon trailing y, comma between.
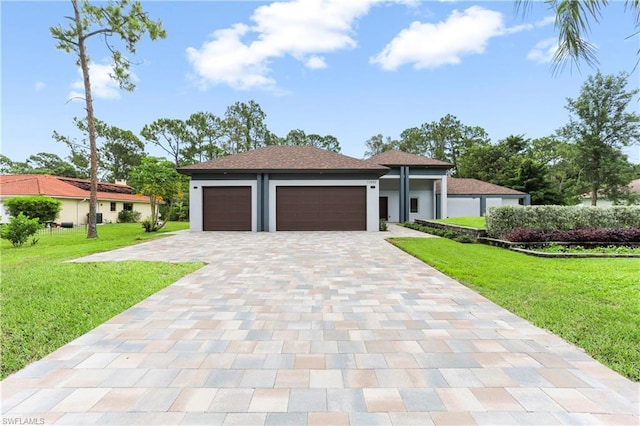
x: 74, y: 195
x: 472, y: 197
x: 303, y: 188
x: 634, y: 188
x: 284, y: 188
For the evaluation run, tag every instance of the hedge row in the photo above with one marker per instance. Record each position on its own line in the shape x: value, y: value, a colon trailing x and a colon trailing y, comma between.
x: 461, y: 238
x: 615, y: 235
x: 546, y: 219
x: 45, y: 209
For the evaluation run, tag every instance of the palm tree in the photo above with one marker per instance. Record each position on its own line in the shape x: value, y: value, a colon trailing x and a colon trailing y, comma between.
x: 573, y: 21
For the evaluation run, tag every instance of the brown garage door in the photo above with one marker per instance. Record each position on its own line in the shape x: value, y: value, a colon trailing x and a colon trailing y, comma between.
x: 321, y: 208
x: 226, y: 208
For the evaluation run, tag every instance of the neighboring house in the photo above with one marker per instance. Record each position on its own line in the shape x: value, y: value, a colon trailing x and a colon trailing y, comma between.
x: 74, y: 195
x: 472, y: 197
x: 585, y: 199
x: 303, y: 188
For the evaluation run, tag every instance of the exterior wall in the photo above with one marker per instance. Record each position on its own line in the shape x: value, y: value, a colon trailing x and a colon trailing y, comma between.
x: 373, y: 192
x: 586, y: 202
x: 460, y: 207
x: 195, y: 200
x: 104, y: 207
x: 75, y: 210
x: 4, y: 216
x: 422, y: 189
x: 507, y: 202
x: 390, y: 188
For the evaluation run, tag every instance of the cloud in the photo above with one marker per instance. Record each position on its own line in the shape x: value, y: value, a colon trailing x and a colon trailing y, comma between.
x: 102, y: 85
x: 316, y: 62
x: 241, y: 56
x: 547, y: 20
x: 429, y: 45
x: 543, y: 50
x: 39, y: 85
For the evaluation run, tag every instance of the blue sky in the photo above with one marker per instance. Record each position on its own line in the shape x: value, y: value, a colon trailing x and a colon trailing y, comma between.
x: 351, y: 69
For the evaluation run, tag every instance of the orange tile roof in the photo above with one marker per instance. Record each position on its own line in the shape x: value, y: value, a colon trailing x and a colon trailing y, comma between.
x: 56, y: 186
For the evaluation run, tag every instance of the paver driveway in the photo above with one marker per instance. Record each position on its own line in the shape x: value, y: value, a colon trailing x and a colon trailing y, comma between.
x: 313, y: 328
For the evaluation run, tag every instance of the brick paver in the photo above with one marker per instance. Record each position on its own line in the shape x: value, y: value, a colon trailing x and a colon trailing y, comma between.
x: 313, y: 328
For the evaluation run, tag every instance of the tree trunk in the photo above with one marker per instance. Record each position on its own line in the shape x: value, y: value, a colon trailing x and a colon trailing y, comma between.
x: 594, y: 196
x: 92, y: 231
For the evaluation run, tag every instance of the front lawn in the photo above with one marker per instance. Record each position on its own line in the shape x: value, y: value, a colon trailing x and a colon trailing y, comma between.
x: 46, y: 303
x: 593, y: 303
x: 471, y: 221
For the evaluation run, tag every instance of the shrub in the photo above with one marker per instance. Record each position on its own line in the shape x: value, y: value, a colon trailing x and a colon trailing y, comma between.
x: 128, y: 216
x: 148, y: 225
x: 439, y: 232
x: 45, y: 209
x: 19, y: 229
x: 596, y: 235
x: 383, y: 225
x: 525, y: 235
x: 465, y: 239
x: 503, y: 219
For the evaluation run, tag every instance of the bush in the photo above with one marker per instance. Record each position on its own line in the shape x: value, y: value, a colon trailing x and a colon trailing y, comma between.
x: 45, y: 209
x: 383, y: 225
x: 439, y: 232
x: 148, y: 226
x: 546, y: 219
x: 129, y: 216
x: 19, y: 229
x: 596, y: 235
x: 465, y: 239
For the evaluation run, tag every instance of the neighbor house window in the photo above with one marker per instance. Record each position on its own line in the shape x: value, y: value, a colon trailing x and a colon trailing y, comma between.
x: 413, y: 205
x: 127, y: 206
x: 113, y: 206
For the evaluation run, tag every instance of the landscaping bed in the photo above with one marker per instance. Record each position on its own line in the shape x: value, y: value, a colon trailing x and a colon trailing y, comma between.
x: 474, y: 233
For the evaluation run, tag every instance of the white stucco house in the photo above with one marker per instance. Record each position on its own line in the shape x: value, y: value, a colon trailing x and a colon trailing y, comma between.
x: 585, y: 199
x: 74, y: 195
x: 303, y: 188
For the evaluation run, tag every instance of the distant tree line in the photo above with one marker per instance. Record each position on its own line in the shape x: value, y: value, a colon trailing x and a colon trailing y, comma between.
x: 203, y: 136
x: 584, y: 156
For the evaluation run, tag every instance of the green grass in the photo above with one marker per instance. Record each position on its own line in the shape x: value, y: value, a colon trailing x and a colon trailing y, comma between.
x: 471, y: 221
x: 593, y: 303
x: 46, y: 303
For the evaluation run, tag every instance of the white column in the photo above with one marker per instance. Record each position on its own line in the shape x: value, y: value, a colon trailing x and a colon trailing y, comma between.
x: 443, y: 197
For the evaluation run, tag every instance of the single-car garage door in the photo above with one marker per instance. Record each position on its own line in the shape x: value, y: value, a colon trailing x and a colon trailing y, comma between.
x: 226, y: 208
x: 321, y: 208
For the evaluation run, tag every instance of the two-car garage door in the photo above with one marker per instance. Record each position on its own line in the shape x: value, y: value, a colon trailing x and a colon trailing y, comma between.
x: 321, y: 208
x: 298, y: 208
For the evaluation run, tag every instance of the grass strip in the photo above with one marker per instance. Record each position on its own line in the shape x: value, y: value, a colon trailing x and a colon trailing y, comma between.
x: 472, y: 221
x: 46, y: 303
x: 593, y: 303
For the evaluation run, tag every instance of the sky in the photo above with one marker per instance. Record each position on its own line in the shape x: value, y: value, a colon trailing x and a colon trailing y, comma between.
x: 347, y: 68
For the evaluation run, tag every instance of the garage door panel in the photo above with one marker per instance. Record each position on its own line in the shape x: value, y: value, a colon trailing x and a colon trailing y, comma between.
x: 321, y: 208
x: 226, y: 208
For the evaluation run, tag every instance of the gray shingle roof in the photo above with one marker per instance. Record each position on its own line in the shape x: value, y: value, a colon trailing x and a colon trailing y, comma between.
x: 395, y: 157
x: 286, y: 158
x: 467, y: 186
